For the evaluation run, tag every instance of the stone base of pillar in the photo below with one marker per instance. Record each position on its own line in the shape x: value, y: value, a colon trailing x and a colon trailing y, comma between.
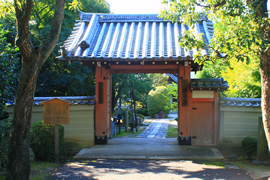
x: 101, y: 140
x: 184, y: 140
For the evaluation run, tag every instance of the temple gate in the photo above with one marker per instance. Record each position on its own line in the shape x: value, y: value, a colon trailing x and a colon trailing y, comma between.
x: 119, y: 43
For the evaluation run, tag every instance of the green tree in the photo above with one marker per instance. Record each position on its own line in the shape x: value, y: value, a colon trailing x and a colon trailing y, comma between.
x: 9, y: 63
x: 141, y: 84
x: 94, y: 6
x: 159, y: 79
x: 212, y: 70
x: 32, y: 57
x: 8, y: 75
x: 243, y: 78
x: 58, y: 78
x: 118, y: 84
x: 65, y: 80
x: 173, y: 91
x: 158, y: 100
x: 247, y: 31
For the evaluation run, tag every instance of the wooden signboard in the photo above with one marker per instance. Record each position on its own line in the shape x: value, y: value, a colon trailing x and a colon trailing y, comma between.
x: 185, y: 92
x: 56, y: 111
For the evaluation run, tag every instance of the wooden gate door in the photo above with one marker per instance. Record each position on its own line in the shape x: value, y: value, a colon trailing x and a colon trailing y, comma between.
x: 202, y: 123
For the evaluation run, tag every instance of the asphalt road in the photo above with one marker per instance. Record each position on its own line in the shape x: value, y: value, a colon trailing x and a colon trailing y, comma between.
x: 144, y: 169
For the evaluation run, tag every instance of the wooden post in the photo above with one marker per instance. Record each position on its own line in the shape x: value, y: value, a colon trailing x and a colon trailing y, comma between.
x: 184, y: 105
x: 119, y: 125
x: 126, y: 121
x: 102, y: 107
x: 56, y: 128
x: 262, y: 148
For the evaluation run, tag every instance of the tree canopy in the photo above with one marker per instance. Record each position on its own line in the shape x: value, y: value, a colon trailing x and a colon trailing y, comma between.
x: 8, y: 74
x: 243, y: 35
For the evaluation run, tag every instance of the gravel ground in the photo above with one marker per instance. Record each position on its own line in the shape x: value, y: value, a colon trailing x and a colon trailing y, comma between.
x: 144, y: 169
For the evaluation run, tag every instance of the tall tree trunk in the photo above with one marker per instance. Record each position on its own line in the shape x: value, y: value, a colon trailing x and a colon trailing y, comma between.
x: 115, y: 98
x: 265, y: 82
x: 134, y: 105
x: 33, y: 57
x: 18, y: 156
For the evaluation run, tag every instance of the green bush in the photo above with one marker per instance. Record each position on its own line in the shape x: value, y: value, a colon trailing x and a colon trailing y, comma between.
x: 42, y: 140
x: 249, y: 145
x: 143, y: 111
x: 140, y: 115
x: 158, y: 100
x: 5, y: 126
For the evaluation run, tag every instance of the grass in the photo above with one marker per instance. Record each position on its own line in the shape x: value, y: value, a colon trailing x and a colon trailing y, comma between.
x: 39, y: 170
x: 172, y: 132
x: 213, y: 163
x: 130, y: 133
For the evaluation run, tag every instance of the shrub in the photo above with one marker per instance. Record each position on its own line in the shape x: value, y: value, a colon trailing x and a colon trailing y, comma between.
x: 141, y: 116
x: 143, y: 111
x: 249, y: 145
x: 5, y: 126
x: 158, y: 100
x: 42, y: 140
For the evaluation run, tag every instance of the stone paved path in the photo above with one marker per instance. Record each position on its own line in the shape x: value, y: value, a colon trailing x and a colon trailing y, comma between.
x: 157, y: 129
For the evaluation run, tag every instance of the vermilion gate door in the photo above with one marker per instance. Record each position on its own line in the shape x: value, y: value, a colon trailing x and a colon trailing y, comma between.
x: 202, y: 123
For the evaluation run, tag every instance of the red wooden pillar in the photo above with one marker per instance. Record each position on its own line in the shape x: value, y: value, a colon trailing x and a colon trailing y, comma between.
x: 102, y: 109
x: 185, y: 104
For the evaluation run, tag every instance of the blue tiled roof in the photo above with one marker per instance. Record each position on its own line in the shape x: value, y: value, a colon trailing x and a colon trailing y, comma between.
x: 217, y: 84
x: 129, y: 37
x: 240, y: 102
